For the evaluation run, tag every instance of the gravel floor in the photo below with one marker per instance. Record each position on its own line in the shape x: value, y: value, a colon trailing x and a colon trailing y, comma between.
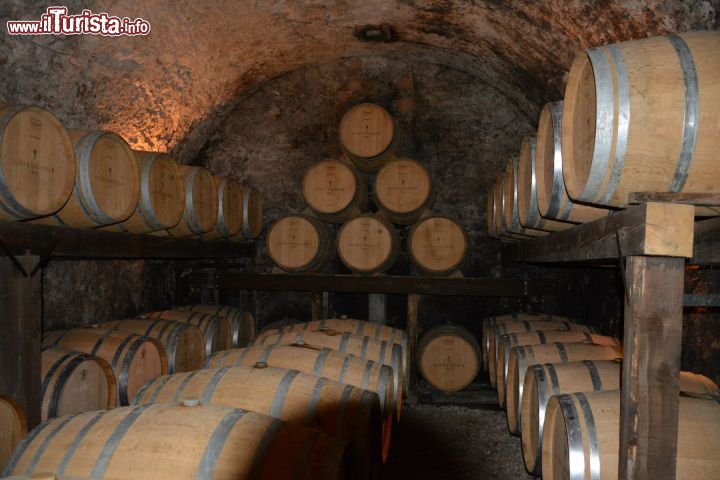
x: 449, y: 442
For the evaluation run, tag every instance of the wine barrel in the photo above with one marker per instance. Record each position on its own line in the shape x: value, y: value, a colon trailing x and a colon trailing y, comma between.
x: 252, y: 214
x: 134, y: 359
x: 490, y: 213
x: 107, y: 182
x: 162, y: 195
x: 333, y: 408
x: 230, y: 209
x: 334, y: 191
x: 527, y: 201
x: 643, y: 115
x: 164, y: 441
x: 367, y: 136
x: 500, y: 360
x: 578, y: 424
x: 381, y: 351
x: 437, y: 245
x: 448, y: 357
x: 489, y: 324
x: 201, y: 203
x: 543, y: 381
x: 403, y: 190
x: 37, y: 163
x: 216, y: 331
x: 522, y: 358
x: 242, y: 321
x: 552, y: 198
x: 510, y: 203
x: 14, y: 428
x: 74, y: 382
x: 183, y: 343
x: 299, y: 243
x: 368, y: 244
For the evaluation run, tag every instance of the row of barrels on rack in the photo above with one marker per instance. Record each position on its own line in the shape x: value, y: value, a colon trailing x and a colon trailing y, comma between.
x: 559, y: 383
x: 50, y: 175
x: 289, y: 408
x: 592, y: 150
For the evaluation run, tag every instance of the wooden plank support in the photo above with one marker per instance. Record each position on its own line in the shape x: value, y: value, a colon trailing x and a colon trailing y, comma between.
x: 413, y: 331
x: 21, y: 326
x: 316, y: 301
x: 661, y: 229
x: 688, y: 198
x: 651, y: 368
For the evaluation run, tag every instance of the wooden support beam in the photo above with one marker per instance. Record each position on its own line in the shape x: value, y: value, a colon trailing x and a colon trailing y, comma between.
x: 316, y: 301
x: 21, y: 327
x: 697, y: 199
x: 651, y: 368
x: 413, y: 330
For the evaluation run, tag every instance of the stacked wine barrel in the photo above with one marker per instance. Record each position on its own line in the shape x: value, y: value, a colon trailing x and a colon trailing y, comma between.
x: 367, y: 242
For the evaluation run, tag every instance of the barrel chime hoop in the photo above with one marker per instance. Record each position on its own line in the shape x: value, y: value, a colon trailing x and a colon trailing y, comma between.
x: 576, y: 452
x: 20, y: 450
x: 366, y: 374
x: 692, y: 112
x: 112, y: 443
x: 217, y: 443
x: 54, y: 403
x: 52, y: 370
x: 220, y: 225
x: 344, y: 369
x: 515, y: 226
x: 247, y: 234
x: 212, y: 385
x: 188, y: 215
x: 558, y: 185
x: 314, y: 397
x: 320, y: 362
x: 125, y: 370
x: 562, y: 352
x: 592, y: 434
x: 7, y: 200
x: 83, y: 148
x: 265, y: 355
x: 97, y: 345
x: 594, y: 375
x: 534, y: 217
x: 46, y: 442
x: 181, y: 388
x: 344, y: 400
x: 281, y: 393
x: 145, y: 209
x: 543, y: 399
x: 76, y: 441
x: 159, y: 389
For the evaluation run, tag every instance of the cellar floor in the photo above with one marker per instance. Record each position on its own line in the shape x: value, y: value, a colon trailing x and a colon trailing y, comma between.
x: 451, y: 442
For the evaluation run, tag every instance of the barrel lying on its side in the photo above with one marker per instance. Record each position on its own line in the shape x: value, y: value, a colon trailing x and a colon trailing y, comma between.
x: 216, y: 331
x: 14, y: 428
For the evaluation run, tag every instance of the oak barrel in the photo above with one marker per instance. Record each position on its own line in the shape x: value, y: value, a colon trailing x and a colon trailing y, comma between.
x: 334, y: 191
x: 134, y: 359
x: 37, y: 162
x: 166, y: 441
x: 253, y: 216
x: 333, y: 408
x: 510, y: 203
x: 437, y: 245
x: 490, y: 212
x: 201, y: 203
x: 74, y: 382
x: 216, y: 331
x: 552, y: 198
x: 448, y: 357
x: 543, y: 381
x: 242, y: 321
x: 14, y: 428
x: 299, y: 243
x: 403, y: 190
x: 230, y: 209
x: 580, y: 423
x: 368, y: 136
x: 643, y: 115
x: 523, y: 358
x: 183, y: 343
x: 368, y: 244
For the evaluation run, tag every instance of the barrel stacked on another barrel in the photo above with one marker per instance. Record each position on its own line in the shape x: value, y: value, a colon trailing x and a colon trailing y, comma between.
x: 368, y: 240
x: 559, y: 383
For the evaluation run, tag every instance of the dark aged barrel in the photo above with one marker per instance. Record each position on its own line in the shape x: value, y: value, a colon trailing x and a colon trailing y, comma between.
x: 332, y: 407
x: 299, y: 243
x: 230, y: 209
x: 152, y: 442
x: 437, y: 245
x: 74, y: 382
x: 14, y: 422
x: 367, y: 136
x: 643, y: 115
x: 334, y: 191
x: 510, y: 206
x: 552, y: 198
x: 37, y: 162
x: 368, y: 244
x: 252, y: 223
x: 403, y: 190
x: 449, y: 357
x: 241, y: 320
x: 216, y: 331
x: 201, y: 203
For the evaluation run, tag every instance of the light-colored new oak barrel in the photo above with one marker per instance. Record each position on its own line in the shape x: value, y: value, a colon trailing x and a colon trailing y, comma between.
x: 523, y: 358
x: 368, y: 244
x: 184, y: 343
x: 230, y: 209
x: 107, y: 182
x: 74, y: 382
x: 201, y: 203
x: 403, y: 190
x: 14, y: 428
x: 334, y: 190
x: 134, y: 359
x: 527, y: 188
x: 643, y: 115
x: 162, y: 195
x: 368, y: 136
x: 500, y: 356
x: 241, y: 320
x: 543, y: 381
x: 299, y: 243
x: 381, y: 351
x: 170, y: 442
x: 37, y: 162
x: 333, y: 408
x: 437, y: 245
x: 448, y: 357
x: 552, y: 198
x: 510, y: 203
x: 216, y: 331
x: 580, y: 423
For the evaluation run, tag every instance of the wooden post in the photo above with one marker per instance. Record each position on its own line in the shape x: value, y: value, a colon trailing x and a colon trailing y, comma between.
x: 413, y: 330
x: 651, y: 368
x: 316, y: 305
x: 377, y: 308
x: 21, y: 326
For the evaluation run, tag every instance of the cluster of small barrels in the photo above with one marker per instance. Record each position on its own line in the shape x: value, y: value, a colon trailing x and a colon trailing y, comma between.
x: 50, y: 175
x: 638, y: 116
x: 199, y: 395
x: 559, y: 383
x: 336, y: 192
